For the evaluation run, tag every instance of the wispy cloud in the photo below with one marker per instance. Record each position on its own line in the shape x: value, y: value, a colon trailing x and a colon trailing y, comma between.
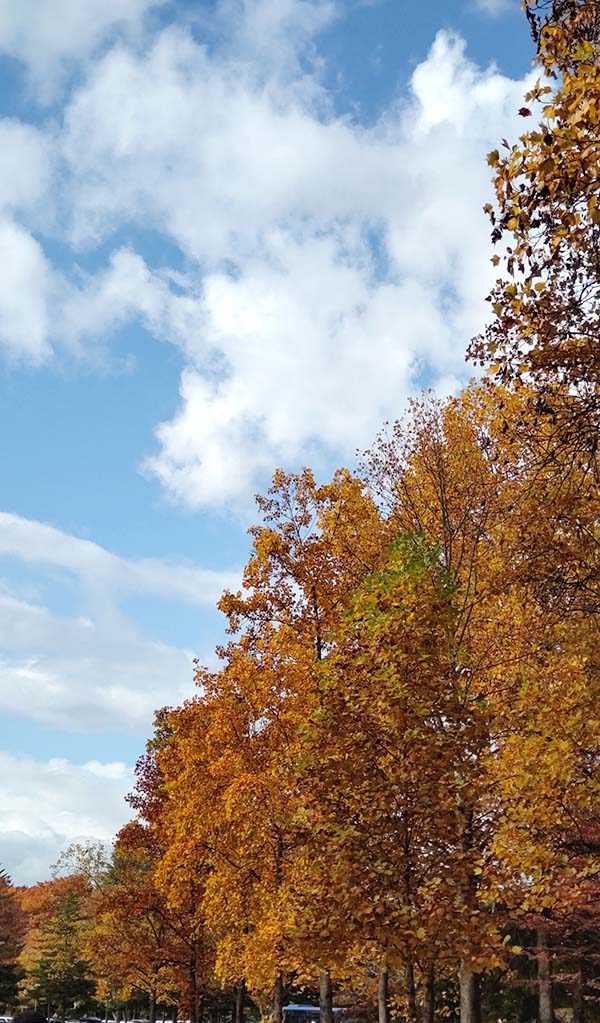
x: 41, y: 544
x: 95, y: 670
x: 495, y: 7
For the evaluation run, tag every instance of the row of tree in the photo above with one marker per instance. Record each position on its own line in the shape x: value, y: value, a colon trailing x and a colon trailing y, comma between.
x: 390, y: 787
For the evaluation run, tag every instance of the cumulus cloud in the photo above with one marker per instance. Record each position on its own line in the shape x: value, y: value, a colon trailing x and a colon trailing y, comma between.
x: 339, y: 267
x: 47, y: 805
x: 26, y: 286
x: 52, y: 35
x: 274, y: 35
x: 330, y: 268
x: 26, y: 164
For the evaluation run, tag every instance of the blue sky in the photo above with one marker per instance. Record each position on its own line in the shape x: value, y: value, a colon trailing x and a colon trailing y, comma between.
x: 235, y: 235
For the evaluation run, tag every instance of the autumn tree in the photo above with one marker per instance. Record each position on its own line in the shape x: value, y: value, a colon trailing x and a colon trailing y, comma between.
x: 472, y: 487
x: 138, y: 944
x: 235, y: 776
x: 55, y: 969
x: 178, y: 891
x: 546, y: 303
x: 543, y: 345
x: 388, y: 756
x: 12, y: 936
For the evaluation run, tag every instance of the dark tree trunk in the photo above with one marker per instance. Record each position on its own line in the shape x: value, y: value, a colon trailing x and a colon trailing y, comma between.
x: 470, y: 998
x: 411, y: 993
x: 240, y: 999
x: 545, y: 999
x: 193, y: 980
x: 578, y: 995
x: 382, y: 996
x: 152, y: 1009
x: 325, y: 998
x: 278, y: 999
x: 428, y: 1009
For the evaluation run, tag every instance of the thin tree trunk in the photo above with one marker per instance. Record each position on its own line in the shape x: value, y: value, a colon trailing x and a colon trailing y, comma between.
x: 240, y: 998
x: 428, y: 1008
x: 411, y: 992
x: 278, y: 999
x: 325, y: 997
x: 193, y: 994
x: 470, y: 999
x: 578, y: 995
x: 382, y: 995
x: 545, y: 1000
x: 152, y: 1009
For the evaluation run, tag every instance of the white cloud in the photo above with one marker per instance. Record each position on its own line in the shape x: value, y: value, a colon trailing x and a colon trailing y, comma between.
x: 95, y: 670
x: 86, y: 674
x: 28, y: 282
x: 275, y: 37
x: 26, y: 164
x: 495, y: 7
x: 104, y: 572
x: 44, y: 806
x: 360, y: 256
x: 26, y: 286
x: 331, y: 269
x: 294, y: 337
x: 49, y: 35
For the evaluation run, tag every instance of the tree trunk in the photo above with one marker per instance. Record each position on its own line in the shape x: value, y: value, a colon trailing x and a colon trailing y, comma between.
x: 193, y: 981
x: 152, y: 1009
x: 325, y: 998
x: 578, y: 995
x: 240, y: 998
x: 278, y: 999
x: 545, y: 1000
x: 470, y: 1000
x: 428, y: 1009
x: 411, y: 993
x: 382, y: 996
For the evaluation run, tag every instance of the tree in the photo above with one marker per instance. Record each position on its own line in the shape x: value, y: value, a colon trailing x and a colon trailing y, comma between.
x: 55, y: 969
x: 387, y: 764
x: 12, y: 936
x: 232, y: 754
x: 547, y: 304
x: 90, y: 861
x: 138, y: 943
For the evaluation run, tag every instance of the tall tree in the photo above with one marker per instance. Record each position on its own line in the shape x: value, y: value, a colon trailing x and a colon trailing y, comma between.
x: 546, y: 304
x: 12, y: 936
